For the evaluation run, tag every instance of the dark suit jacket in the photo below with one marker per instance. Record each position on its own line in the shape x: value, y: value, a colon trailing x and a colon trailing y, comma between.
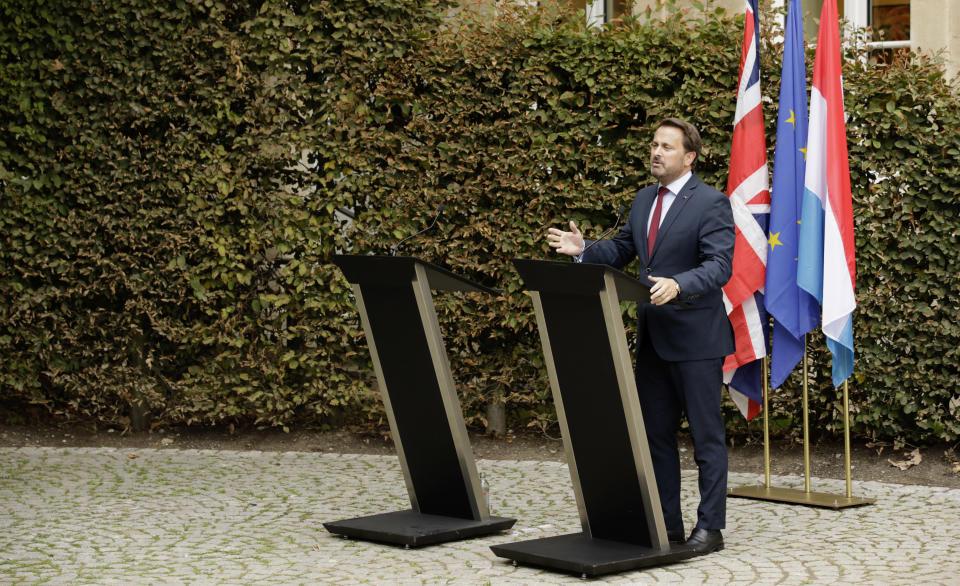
x: 695, y: 247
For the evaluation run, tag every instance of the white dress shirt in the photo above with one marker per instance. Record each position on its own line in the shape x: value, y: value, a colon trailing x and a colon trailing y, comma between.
x: 668, y: 199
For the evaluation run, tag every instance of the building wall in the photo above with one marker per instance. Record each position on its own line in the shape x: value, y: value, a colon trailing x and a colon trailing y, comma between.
x: 935, y: 26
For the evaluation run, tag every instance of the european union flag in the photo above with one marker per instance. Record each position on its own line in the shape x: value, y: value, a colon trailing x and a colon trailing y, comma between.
x: 794, y: 311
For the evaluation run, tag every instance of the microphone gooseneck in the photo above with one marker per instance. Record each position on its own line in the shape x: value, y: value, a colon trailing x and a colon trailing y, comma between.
x: 607, y: 233
x: 396, y: 247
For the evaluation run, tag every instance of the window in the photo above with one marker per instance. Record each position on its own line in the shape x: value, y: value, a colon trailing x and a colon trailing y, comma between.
x: 601, y: 11
x: 889, y: 21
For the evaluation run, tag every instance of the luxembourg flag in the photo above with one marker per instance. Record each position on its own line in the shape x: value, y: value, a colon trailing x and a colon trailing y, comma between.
x: 826, y: 265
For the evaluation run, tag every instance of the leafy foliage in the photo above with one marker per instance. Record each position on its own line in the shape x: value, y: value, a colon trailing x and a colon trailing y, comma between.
x: 176, y: 177
x: 165, y: 233
x: 518, y: 124
x: 904, y: 141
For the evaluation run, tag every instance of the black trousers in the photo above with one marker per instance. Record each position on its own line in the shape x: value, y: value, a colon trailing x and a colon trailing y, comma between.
x: 667, y: 391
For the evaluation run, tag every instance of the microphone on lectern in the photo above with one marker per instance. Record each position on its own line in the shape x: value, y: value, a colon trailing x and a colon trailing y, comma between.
x: 607, y: 233
x: 395, y: 247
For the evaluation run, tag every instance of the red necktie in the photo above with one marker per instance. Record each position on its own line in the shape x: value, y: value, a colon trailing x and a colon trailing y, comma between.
x: 655, y: 221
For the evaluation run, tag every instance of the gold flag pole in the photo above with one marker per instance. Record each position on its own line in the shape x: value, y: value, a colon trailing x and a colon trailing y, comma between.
x: 846, y: 438
x: 766, y: 427
x: 794, y: 496
x: 806, y: 420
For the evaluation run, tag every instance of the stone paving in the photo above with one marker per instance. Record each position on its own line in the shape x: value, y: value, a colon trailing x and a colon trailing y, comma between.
x: 169, y: 516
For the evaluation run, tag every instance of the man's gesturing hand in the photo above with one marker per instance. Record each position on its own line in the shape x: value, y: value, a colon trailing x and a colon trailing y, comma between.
x: 566, y: 242
x: 664, y: 290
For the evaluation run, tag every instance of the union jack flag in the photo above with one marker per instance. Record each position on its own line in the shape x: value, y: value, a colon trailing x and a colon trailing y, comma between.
x: 748, y: 188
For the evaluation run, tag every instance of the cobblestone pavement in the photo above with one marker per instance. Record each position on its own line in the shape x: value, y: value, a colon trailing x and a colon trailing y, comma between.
x: 109, y: 516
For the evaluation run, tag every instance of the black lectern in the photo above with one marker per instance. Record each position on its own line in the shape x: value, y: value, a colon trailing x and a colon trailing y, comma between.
x: 595, y: 393
x: 396, y: 308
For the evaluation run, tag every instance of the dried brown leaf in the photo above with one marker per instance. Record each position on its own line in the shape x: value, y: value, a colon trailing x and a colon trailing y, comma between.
x: 913, y: 459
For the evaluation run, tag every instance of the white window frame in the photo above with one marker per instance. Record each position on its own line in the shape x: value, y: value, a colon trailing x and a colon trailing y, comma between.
x: 599, y: 12
x: 857, y: 13
x: 596, y: 13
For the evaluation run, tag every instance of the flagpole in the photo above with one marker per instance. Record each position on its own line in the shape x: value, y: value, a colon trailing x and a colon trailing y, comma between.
x: 806, y: 420
x: 825, y: 197
x: 846, y: 438
x: 795, y: 496
x: 766, y: 427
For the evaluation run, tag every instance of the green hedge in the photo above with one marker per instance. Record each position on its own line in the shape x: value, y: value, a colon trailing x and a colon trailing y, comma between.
x: 172, y: 174
x: 169, y: 176
x: 904, y: 141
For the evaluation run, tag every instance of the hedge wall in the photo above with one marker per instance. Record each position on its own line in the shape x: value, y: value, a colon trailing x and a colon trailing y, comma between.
x: 165, y: 234
x: 171, y: 178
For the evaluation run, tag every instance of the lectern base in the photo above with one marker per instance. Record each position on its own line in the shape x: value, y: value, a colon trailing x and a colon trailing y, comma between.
x: 414, y: 529
x: 583, y: 555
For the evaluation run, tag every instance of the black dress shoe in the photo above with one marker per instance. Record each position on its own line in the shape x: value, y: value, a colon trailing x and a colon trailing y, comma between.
x: 675, y: 536
x: 704, y: 541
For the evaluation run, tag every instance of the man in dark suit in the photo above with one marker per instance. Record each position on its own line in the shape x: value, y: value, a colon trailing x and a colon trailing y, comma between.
x: 682, y: 231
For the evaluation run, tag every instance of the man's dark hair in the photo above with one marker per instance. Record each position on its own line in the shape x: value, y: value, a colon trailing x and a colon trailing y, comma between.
x: 691, y: 137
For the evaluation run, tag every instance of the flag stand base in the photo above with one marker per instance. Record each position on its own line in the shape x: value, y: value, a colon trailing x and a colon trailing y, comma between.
x: 799, y: 497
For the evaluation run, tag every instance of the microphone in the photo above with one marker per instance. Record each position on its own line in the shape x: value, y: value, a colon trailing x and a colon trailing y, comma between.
x: 395, y: 247
x: 605, y: 234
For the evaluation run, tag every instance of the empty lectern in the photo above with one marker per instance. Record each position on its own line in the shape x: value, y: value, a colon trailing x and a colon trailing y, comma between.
x: 595, y: 394
x: 400, y: 322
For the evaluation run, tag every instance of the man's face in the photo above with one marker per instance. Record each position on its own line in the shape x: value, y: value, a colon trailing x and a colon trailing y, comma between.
x: 668, y: 159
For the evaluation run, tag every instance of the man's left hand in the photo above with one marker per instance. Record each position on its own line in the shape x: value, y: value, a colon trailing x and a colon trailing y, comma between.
x: 664, y: 290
